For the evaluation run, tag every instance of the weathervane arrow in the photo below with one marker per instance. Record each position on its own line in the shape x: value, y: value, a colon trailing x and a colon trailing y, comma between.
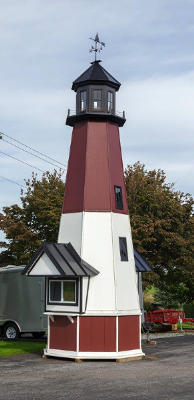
x: 98, y: 45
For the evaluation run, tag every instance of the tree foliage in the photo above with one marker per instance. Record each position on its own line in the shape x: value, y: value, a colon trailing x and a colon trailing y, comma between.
x: 162, y: 223
x: 27, y: 225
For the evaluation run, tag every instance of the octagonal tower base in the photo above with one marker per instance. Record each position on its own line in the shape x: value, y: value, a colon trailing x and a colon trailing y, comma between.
x: 94, y: 337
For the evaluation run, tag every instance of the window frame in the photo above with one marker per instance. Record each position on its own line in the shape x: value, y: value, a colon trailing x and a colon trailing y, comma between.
x: 111, y: 102
x: 84, y: 101
x: 63, y: 303
x: 123, y: 242
x: 96, y: 99
x: 116, y: 198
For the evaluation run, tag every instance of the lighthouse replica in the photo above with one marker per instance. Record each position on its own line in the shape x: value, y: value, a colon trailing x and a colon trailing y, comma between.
x: 92, y: 299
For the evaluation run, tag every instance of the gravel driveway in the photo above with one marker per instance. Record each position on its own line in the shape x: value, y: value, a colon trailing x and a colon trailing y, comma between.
x: 167, y: 373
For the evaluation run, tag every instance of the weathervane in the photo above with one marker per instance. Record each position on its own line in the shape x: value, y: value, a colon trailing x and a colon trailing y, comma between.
x: 98, y: 45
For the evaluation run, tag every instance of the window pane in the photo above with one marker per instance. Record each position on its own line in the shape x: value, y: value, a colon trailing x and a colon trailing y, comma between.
x: 110, y: 101
x: 55, y: 291
x: 97, y: 99
x: 83, y: 100
x: 69, y: 291
x: 118, y: 197
x: 97, y: 94
x: 123, y: 249
x: 83, y: 95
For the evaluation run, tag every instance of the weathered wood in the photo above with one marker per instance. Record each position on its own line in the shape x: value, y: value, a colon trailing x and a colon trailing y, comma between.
x: 151, y: 342
x: 127, y: 359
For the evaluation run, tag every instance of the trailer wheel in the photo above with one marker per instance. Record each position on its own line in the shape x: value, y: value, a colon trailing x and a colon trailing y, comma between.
x: 11, y: 331
x: 38, y: 335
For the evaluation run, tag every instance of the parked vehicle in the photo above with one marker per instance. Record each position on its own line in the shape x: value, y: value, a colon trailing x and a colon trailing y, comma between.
x: 21, y: 303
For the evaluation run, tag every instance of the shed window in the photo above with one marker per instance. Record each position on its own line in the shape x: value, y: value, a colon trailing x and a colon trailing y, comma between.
x: 123, y: 248
x: 97, y: 98
x: 118, y: 198
x: 83, y: 100
x: 110, y: 101
x: 62, y: 291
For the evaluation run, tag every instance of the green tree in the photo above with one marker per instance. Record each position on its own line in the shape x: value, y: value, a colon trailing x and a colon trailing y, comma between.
x: 27, y: 225
x: 162, y: 223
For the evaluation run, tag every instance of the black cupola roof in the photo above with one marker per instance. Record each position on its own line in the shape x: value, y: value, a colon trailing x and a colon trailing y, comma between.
x: 96, y: 74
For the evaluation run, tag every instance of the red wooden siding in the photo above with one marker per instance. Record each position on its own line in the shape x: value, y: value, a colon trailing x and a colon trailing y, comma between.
x: 95, y: 166
x: 74, y: 188
x: 116, y: 166
x: 97, y: 334
x: 129, y: 332
x: 63, y: 334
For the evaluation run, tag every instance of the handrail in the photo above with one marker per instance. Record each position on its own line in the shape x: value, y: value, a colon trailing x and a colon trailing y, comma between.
x: 71, y: 113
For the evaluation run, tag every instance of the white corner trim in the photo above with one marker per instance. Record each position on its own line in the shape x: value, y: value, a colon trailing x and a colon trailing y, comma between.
x: 77, y: 337
x: 52, y: 317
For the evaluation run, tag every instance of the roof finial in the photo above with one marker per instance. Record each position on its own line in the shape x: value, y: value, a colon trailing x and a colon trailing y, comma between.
x: 98, y: 45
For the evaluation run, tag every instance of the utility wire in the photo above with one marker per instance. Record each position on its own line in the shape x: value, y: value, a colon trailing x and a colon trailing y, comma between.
x: 10, y: 180
x: 29, y: 152
x: 23, y: 162
x: 25, y: 145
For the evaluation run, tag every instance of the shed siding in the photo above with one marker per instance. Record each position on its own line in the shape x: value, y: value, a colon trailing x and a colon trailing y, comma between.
x: 129, y: 332
x: 97, y: 334
x: 63, y: 334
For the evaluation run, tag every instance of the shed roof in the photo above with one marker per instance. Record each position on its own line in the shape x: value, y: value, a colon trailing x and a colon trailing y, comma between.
x: 141, y: 265
x: 65, y: 258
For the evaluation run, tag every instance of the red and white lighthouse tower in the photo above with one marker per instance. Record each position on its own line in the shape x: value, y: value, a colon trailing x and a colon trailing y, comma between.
x: 102, y: 320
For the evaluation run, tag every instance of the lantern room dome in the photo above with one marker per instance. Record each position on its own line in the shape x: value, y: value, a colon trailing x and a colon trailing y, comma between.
x: 95, y: 97
x: 96, y: 74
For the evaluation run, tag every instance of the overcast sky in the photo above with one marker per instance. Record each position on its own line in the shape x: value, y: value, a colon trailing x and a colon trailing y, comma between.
x: 149, y: 48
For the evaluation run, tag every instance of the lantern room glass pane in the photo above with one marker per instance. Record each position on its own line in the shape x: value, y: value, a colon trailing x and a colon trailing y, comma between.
x: 55, y: 291
x: 69, y: 291
x: 97, y: 99
x: 83, y: 100
x: 110, y: 101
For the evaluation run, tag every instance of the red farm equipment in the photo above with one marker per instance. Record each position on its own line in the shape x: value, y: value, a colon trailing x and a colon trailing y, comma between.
x: 169, y: 316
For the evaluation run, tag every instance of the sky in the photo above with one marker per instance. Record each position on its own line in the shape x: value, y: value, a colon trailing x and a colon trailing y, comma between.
x: 44, y: 46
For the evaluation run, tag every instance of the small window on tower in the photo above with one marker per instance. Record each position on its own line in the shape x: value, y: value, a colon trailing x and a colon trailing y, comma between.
x: 83, y: 100
x: 118, y: 198
x: 97, y: 99
x: 123, y: 248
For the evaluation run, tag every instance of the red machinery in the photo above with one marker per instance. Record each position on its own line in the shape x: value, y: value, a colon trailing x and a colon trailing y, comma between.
x: 167, y: 316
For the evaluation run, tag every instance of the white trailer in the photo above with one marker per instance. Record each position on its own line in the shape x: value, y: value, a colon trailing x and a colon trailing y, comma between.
x: 21, y: 303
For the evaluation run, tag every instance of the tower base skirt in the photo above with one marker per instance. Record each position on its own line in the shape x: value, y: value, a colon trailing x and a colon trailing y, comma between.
x: 132, y: 355
x: 95, y: 337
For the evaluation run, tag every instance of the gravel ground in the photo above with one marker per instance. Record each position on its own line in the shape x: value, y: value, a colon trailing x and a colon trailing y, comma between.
x: 167, y: 373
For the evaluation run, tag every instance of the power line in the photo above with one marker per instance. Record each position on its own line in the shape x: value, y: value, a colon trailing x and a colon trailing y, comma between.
x: 23, y: 162
x: 36, y: 151
x: 29, y: 152
x: 11, y: 181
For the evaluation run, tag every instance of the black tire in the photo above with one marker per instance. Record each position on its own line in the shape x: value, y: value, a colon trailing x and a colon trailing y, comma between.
x: 38, y: 335
x: 11, y: 331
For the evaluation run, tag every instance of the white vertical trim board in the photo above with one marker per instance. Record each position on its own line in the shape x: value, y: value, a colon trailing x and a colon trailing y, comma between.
x: 117, y: 333
x: 77, y: 335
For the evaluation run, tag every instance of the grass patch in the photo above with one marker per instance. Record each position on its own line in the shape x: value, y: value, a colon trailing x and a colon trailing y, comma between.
x: 188, y: 325
x: 8, y: 348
